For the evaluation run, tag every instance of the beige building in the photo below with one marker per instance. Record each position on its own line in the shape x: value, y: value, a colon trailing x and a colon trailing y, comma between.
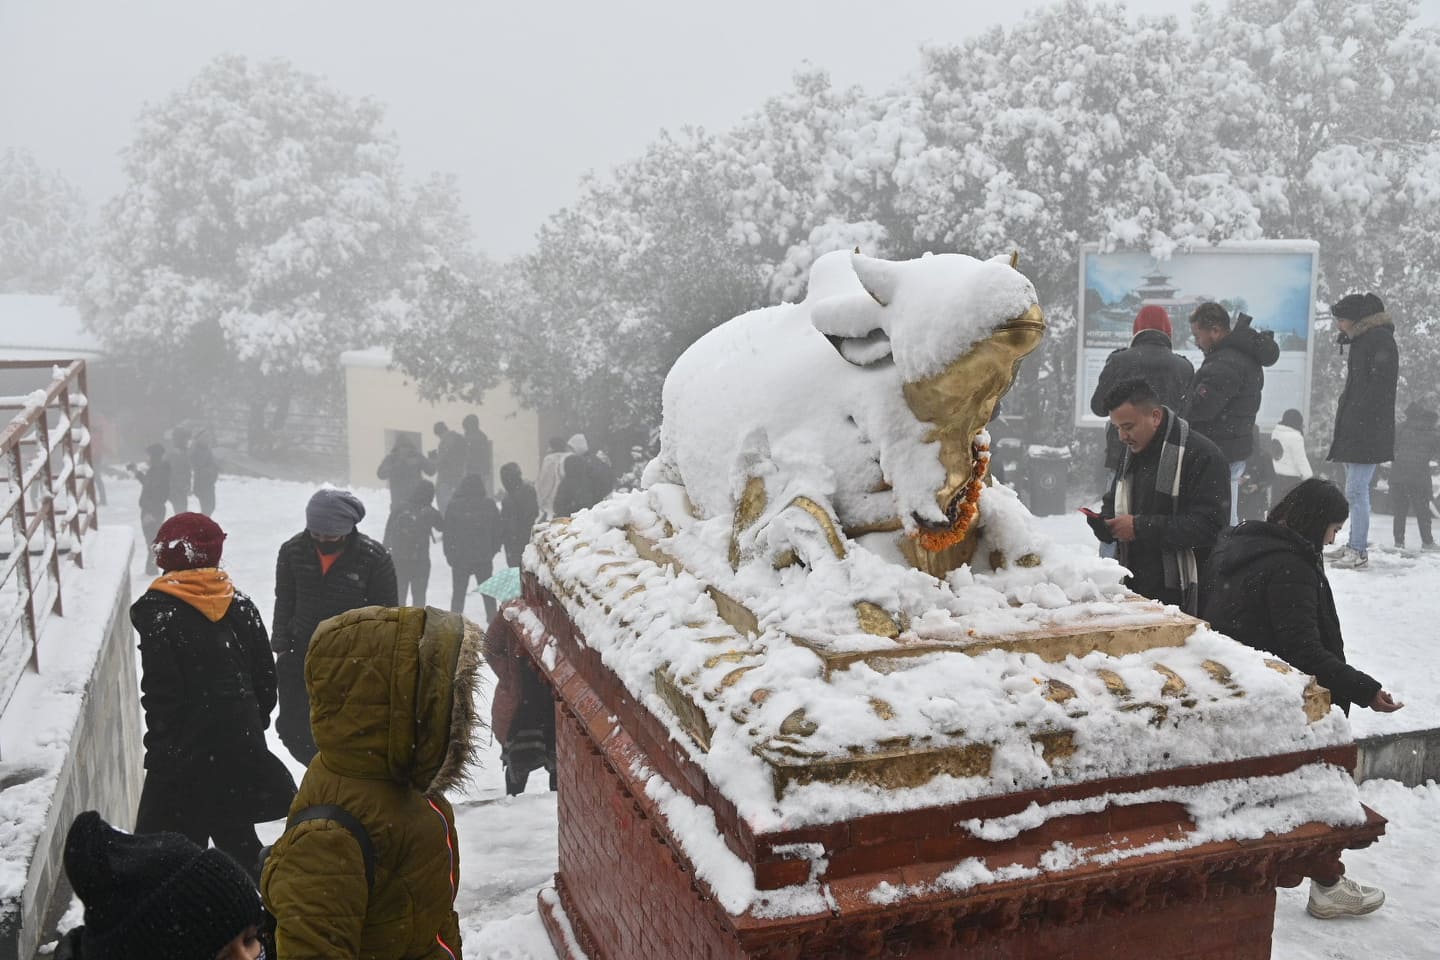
x: 382, y: 403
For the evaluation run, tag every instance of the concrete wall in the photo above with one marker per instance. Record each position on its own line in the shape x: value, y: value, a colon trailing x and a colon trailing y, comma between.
x: 103, y: 769
x: 380, y: 402
x: 1412, y: 757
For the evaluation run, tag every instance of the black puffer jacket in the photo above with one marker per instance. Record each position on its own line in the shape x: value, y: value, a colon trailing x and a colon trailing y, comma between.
x: 1150, y: 357
x: 518, y: 511
x: 1265, y: 586
x: 1224, y: 396
x: 1416, y: 444
x: 1365, y: 417
x: 363, y: 575
x: 472, y: 525
x: 208, y: 690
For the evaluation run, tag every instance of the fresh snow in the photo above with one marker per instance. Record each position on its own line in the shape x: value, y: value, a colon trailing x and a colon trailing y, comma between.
x: 508, y: 845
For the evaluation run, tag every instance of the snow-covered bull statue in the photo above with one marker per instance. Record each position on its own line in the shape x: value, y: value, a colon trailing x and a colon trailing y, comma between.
x: 875, y: 387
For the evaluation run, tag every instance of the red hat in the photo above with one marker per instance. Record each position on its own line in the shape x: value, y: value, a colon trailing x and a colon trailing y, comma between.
x: 187, y: 541
x: 1152, y: 316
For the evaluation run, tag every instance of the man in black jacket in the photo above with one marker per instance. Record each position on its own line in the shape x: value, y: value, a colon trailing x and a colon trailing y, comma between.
x: 518, y: 510
x: 322, y: 571
x: 1225, y: 394
x: 1168, y: 501
x: 1365, y: 418
x: 1150, y: 357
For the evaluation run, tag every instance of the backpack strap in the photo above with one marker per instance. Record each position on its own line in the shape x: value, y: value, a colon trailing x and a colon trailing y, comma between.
x: 330, y: 811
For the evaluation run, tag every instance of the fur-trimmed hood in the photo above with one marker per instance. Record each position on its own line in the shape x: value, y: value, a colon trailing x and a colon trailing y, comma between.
x: 393, y: 695
x: 1365, y: 324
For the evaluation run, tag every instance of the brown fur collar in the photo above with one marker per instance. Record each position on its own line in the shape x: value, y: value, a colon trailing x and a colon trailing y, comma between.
x: 465, y: 722
x: 1366, y: 324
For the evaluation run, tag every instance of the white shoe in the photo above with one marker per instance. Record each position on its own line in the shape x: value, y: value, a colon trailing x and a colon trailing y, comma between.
x: 1335, y: 551
x: 1345, y: 899
x: 1350, y: 559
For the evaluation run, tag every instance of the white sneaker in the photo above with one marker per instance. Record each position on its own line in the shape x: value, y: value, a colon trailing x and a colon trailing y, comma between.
x: 1350, y: 559
x: 1345, y: 899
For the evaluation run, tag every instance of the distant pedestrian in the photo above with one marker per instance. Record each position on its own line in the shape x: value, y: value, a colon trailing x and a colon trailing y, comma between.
x: 552, y: 469
x: 449, y: 460
x: 587, y: 479
x: 1224, y: 395
x: 180, y: 470
x: 325, y: 569
x: 154, y: 495
x: 208, y: 689
x: 408, y: 536
x: 1265, y: 585
x: 1417, y: 444
x: 1168, y: 501
x: 518, y: 510
x: 206, y: 471
x: 158, y: 896
x: 1287, y: 454
x: 1365, y: 417
x: 1150, y: 357
x: 472, y: 537
x: 1257, y: 481
x: 403, y: 467
x: 479, y: 453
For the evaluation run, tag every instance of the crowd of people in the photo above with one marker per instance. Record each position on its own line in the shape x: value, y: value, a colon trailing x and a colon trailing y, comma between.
x: 1206, y: 516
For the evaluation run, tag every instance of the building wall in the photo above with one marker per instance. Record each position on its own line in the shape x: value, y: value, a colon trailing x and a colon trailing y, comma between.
x: 381, y: 402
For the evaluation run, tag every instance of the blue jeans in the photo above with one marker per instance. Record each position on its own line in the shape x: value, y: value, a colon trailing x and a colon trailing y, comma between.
x: 1357, y: 491
x: 1237, y: 470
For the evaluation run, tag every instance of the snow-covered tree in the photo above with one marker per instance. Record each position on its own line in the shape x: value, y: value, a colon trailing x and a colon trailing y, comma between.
x: 265, y: 214
x: 42, y: 226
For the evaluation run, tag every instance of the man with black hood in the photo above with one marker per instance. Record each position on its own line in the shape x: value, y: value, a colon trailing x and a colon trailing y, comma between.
x: 1224, y: 396
x: 1365, y: 417
x: 324, y: 570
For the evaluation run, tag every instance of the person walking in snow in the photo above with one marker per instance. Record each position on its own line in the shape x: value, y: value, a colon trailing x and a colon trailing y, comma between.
x: 1365, y: 418
x: 1287, y: 453
x: 154, y: 495
x: 403, y: 467
x: 408, y: 538
x: 1265, y: 585
x: 449, y: 461
x: 552, y: 470
x: 395, y: 720
x: 1150, y: 357
x: 1224, y: 395
x: 1168, y: 500
x: 472, y: 536
x: 518, y: 509
x: 1256, y: 481
x: 207, y: 689
x: 1416, y: 444
x: 586, y: 479
x: 206, y: 472
x: 479, y: 454
x: 180, y: 470
x: 324, y: 570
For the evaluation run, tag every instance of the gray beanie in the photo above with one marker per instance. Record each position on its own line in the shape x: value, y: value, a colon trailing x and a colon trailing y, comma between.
x: 333, y: 513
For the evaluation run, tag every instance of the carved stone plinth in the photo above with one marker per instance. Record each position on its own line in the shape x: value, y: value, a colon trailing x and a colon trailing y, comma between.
x: 630, y: 890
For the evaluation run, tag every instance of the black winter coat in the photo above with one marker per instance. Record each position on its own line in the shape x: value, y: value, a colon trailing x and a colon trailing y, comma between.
x: 1225, y: 394
x: 208, y: 690
x: 1150, y: 357
x: 403, y: 468
x: 472, y: 526
x: 1365, y: 417
x: 1416, y: 444
x: 206, y: 470
x: 363, y: 575
x: 1266, y: 587
x: 407, y: 535
x: 1160, y: 524
x: 518, y: 510
x: 155, y: 488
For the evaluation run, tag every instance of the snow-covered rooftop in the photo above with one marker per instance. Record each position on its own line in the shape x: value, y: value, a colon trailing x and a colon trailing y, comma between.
x: 34, y: 327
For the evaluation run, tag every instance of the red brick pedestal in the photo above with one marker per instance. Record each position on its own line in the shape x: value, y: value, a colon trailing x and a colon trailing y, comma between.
x: 630, y: 892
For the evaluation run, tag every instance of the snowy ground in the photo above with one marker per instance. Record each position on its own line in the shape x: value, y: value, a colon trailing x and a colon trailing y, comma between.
x: 508, y: 844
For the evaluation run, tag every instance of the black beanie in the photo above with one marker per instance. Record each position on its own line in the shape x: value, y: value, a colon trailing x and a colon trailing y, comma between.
x: 155, y: 896
x: 1357, y: 306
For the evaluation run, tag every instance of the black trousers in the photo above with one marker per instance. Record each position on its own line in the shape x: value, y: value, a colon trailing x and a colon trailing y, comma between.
x: 412, y: 578
x: 149, y: 526
x: 460, y: 575
x: 1411, y: 496
x: 206, y: 496
x: 168, y: 802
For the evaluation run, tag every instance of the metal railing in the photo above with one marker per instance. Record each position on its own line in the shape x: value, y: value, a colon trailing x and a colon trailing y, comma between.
x: 49, y: 505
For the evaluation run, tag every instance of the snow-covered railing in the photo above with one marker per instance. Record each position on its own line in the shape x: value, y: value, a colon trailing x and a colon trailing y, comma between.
x: 48, y: 495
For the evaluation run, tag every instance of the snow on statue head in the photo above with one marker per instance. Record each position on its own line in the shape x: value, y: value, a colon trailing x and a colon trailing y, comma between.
x: 866, y: 402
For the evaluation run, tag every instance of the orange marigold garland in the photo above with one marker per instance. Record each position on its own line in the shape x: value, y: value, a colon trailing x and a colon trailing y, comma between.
x: 965, y: 514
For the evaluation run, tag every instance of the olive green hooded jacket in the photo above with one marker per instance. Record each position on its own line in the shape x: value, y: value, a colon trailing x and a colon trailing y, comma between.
x: 392, y: 710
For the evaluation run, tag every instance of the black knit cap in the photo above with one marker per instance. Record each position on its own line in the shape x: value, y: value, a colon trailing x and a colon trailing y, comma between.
x: 155, y: 896
x: 1357, y: 306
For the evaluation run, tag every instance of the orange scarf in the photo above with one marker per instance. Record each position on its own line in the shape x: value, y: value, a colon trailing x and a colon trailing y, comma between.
x: 207, y: 589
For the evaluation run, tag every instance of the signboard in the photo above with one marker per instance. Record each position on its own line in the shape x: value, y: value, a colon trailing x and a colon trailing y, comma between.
x: 1272, y: 280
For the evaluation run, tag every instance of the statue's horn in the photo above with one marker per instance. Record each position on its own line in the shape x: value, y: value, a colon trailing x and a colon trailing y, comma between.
x: 1015, y: 260
x: 878, y: 277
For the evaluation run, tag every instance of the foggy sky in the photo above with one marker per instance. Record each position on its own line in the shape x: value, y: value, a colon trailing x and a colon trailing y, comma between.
x: 517, y: 99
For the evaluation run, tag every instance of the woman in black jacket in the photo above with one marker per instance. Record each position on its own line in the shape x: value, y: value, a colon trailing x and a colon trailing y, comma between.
x: 1265, y: 585
x: 208, y: 689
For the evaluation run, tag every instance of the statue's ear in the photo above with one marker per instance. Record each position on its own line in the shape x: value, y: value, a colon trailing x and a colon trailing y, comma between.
x: 879, y: 277
x: 866, y: 351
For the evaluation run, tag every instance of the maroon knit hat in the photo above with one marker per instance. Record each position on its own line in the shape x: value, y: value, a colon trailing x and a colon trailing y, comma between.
x: 187, y: 541
x: 1152, y: 316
